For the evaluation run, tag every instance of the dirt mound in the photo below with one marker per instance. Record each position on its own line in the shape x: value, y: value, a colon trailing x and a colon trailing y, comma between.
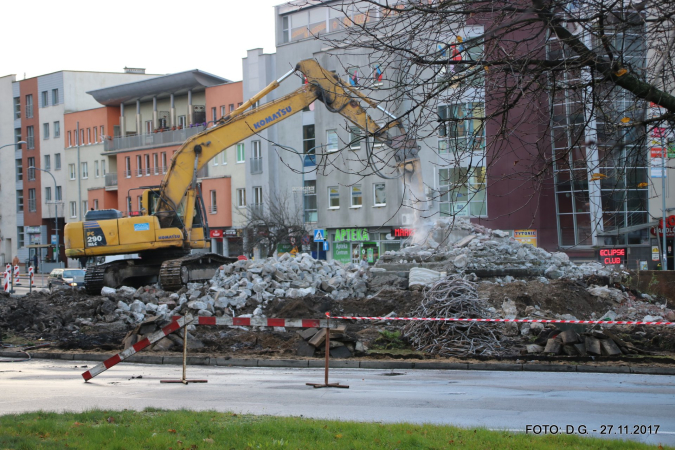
x: 558, y: 296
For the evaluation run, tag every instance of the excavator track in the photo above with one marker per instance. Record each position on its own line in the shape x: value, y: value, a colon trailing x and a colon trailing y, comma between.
x: 94, y: 279
x: 191, y: 268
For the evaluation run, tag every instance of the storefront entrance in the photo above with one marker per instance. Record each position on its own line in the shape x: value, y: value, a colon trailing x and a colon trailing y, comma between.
x: 371, y: 250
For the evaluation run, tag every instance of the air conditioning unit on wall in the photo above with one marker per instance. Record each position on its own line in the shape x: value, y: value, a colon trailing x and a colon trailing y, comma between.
x: 407, y: 219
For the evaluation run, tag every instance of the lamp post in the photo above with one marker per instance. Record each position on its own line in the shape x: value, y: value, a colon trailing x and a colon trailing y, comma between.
x: 56, y: 216
x: 17, y: 143
x: 664, y: 154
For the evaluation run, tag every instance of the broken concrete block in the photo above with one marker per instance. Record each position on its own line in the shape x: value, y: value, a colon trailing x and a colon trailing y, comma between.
x: 420, y: 278
x: 581, y: 349
x: 593, y: 346
x: 318, y: 338
x: 569, y: 337
x: 304, y: 349
x: 569, y: 350
x: 163, y: 345
x: 609, y: 348
x: 307, y: 333
x: 534, y: 348
x: 340, y: 352
x: 553, y: 346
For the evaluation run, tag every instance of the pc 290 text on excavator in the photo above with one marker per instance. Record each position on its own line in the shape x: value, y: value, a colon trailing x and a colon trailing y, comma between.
x: 173, y: 222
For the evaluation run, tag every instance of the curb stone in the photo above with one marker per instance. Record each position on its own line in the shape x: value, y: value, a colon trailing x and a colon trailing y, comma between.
x: 350, y: 364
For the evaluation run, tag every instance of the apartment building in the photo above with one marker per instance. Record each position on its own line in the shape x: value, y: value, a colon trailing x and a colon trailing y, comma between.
x: 35, y: 110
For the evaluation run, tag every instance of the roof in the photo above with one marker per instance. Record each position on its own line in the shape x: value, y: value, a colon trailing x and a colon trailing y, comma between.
x: 160, y: 87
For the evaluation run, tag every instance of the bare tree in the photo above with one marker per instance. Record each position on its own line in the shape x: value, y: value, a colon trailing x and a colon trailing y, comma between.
x: 277, y: 220
x: 568, y: 94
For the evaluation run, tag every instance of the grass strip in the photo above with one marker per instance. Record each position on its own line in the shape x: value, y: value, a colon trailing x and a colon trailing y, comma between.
x: 183, y: 429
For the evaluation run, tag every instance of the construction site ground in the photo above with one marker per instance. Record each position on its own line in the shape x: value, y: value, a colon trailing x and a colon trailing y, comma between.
x: 42, y: 317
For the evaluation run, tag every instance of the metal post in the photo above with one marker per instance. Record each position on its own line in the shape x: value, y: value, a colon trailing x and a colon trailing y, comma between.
x: 184, y: 379
x: 664, y: 263
x: 327, y: 363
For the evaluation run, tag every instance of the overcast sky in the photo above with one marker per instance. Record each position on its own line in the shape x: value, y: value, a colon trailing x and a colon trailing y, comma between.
x: 162, y: 36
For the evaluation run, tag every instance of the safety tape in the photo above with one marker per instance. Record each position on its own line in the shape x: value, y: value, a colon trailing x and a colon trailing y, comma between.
x: 461, y: 319
x: 137, y: 347
x: 256, y: 321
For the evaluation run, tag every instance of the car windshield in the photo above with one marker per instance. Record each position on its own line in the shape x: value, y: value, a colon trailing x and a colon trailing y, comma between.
x: 73, y: 273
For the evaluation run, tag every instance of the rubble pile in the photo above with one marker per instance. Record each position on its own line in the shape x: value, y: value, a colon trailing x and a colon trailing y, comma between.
x: 552, y: 341
x: 455, y: 245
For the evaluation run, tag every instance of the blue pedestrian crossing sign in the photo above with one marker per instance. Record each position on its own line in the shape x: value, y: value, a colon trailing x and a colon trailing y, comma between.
x: 319, y: 235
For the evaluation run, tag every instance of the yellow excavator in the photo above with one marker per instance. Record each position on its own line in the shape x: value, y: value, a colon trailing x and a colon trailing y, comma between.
x: 173, y: 220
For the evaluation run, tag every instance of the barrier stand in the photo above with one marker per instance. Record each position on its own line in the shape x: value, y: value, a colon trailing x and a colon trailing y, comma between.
x: 184, y: 380
x: 326, y: 384
x: 16, y: 276
x: 10, y: 279
x: 6, y: 281
x: 31, y: 279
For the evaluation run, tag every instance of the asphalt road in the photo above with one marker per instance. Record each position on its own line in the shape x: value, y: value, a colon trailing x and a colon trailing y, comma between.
x: 496, y: 400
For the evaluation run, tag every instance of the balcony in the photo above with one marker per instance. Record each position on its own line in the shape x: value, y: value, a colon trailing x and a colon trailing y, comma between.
x: 255, y: 211
x: 256, y: 165
x: 159, y: 139
x: 111, y: 181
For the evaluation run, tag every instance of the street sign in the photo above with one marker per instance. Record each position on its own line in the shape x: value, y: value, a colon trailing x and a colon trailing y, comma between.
x: 325, y: 246
x: 54, y: 239
x: 305, y: 240
x: 319, y: 235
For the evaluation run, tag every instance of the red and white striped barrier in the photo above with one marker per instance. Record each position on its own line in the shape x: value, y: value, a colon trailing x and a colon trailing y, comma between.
x: 137, y: 347
x: 16, y: 276
x: 6, y: 276
x: 31, y: 276
x: 453, y: 319
x: 262, y: 322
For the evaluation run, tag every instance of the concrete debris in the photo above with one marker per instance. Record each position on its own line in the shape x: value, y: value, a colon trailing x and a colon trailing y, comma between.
x: 421, y: 278
x: 456, y: 245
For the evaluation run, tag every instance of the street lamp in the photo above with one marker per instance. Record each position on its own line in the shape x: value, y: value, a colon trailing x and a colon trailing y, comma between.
x: 56, y: 216
x: 17, y: 143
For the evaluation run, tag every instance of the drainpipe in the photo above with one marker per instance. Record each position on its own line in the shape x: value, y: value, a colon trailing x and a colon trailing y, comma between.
x: 123, y: 125
x: 139, y: 130
x: 154, y: 114
x: 173, y: 112
x: 79, y: 176
x: 189, y: 108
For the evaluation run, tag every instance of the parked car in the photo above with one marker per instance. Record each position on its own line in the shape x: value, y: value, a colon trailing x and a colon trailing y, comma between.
x: 66, y: 277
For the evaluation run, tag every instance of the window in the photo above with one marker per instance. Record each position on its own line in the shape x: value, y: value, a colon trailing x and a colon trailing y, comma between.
x: 32, y: 207
x: 378, y: 75
x: 48, y: 194
x: 155, y: 163
x: 148, y: 127
x: 57, y: 161
x: 147, y: 164
x: 213, y: 114
x: 55, y: 96
x: 308, y: 139
x: 73, y: 209
x: 57, y: 129
x: 286, y: 29
x: 379, y: 194
x: 239, y: 104
x: 182, y: 121
x: 95, y: 135
x: 164, y: 162
x: 333, y: 197
x: 20, y: 237
x: 97, y: 172
x: 45, y: 99
x: 19, y: 170
x: 71, y: 171
x: 88, y: 136
x: 257, y: 154
x: 17, y: 107
x: 29, y: 106
x: 127, y: 167
x: 231, y: 107
x: 357, y: 196
x: 85, y: 171
x: 257, y: 195
x: 103, y: 167
x: 309, y: 193
x: 241, y: 157
x: 139, y: 166
x: 31, y: 172
x: 48, y: 162
x: 85, y: 206
x: 81, y: 141
x: 70, y: 141
x: 96, y: 204
x: 59, y: 193
x: 45, y: 131
x: 355, y: 138
x: 224, y: 156
x: 214, y: 206
x: 331, y: 141
x: 462, y: 191
x: 461, y: 128
x: 30, y: 135
x: 17, y: 138
x: 241, y: 198
x: 19, y: 201
x: 102, y: 134
x: 222, y: 111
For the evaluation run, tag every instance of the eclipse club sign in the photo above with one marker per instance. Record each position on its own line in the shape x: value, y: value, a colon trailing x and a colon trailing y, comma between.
x: 612, y: 256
